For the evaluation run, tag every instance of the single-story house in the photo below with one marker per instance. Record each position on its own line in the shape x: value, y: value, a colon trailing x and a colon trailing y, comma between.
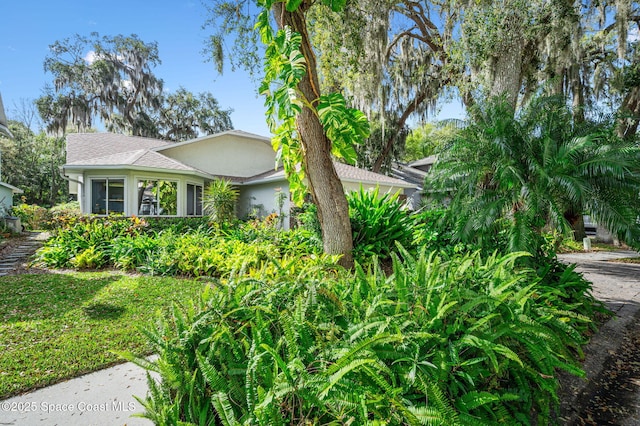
x: 112, y: 173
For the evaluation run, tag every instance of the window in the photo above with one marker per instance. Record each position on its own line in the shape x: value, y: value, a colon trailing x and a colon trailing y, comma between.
x: 107, y: 196
x: 194, y: 200
x: 157, y: 198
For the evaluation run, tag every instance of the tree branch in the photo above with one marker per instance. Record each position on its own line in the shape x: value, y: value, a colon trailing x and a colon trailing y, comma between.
x: 411, y: 107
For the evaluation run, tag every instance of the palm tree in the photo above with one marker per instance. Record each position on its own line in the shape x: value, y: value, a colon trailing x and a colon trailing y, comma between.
x: 219, y: 201
x: 535, y: 171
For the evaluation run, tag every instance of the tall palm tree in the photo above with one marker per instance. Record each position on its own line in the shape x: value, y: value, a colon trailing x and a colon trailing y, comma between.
x: 537, y: 170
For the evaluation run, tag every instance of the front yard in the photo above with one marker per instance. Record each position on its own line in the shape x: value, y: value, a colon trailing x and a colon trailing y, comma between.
x: 60, y: 325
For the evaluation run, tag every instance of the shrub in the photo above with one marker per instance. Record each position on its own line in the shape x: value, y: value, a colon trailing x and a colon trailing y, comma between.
x: 219, y: 201
x: 94, y: 233
x: 173, y: 247
x: 64, y: 215
x: 89, y: 258
x: 31, y: 215
x: 431, y: 230
x: 179, y: 225
x: 378, y: 223
x: 464, y: 341
x: 129, y: 252
x: 307, y: 218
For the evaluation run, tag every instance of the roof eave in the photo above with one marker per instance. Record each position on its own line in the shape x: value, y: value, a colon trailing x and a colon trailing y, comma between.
x: 264, y: 180
x: 12, y: 188
x: 370, y: 182
x: 80, y: 167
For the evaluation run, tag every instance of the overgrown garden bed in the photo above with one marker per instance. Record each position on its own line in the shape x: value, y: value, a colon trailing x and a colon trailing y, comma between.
x: 442, y: 335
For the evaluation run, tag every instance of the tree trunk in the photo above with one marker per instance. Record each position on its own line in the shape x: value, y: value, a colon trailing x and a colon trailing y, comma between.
x: 629, y: 112
x: 325, y: 185
x: 506, y: 70
x: 391, y: 140
x: 577, y: 89
x: 576, y: 220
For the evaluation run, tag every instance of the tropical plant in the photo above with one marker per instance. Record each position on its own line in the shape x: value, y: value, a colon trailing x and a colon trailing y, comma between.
x: 219, y: 201
x: 378, y: 222
x: 91, y: 238
x: 510, y: 177
x: 464, y: 341
x: 31, y: 216
x: 176, y: 247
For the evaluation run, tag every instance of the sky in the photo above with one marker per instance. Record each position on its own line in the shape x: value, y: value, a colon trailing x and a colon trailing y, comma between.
x: 28, y: 27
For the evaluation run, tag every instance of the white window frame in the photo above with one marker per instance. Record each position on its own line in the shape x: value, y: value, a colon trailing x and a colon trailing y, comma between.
x: 195, y: 200
x: 107, y: 199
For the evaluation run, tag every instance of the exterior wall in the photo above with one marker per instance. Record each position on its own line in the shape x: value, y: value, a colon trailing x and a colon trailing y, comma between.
x: 226, y: 155
x: 131, y: 179
x: 73, y: 184
x: 6, y: 200
x: 260, y: 199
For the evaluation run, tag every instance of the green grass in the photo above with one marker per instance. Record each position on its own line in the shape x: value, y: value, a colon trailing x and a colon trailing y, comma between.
x: 57, y: 326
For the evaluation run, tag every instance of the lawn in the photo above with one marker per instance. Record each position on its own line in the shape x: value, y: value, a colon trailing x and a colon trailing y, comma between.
x: 57, y: 326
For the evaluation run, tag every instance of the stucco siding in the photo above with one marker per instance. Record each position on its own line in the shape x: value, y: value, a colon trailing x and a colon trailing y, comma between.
x: 260, y: 200
x: 6, y: 199
x: 226, y: 155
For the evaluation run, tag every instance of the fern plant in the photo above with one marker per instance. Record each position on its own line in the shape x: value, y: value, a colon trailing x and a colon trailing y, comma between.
x: 440, y: 341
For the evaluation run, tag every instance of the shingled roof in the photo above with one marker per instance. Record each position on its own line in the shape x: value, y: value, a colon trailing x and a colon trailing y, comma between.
x: 111, y: 150
x: 354, y: 174
x: 86, y: 146
x: 139, y: 158
x: 345, y: 172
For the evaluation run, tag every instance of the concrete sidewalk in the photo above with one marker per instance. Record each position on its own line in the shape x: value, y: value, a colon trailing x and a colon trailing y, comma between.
x: 102, y: 398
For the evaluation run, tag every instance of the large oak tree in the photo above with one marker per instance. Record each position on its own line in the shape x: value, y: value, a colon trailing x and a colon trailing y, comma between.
x: 112, y: 79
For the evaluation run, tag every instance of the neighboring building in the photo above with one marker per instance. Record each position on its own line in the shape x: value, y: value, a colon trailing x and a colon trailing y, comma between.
x: 4, y: 125
x: 113, y: 173
x: 6, y: 190
x: 414, y: 173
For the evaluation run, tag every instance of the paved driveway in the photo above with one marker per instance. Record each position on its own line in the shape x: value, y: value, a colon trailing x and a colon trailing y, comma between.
x: 611, y: 357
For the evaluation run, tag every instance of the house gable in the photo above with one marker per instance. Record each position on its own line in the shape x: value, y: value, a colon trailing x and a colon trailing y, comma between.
x: 232, y: 153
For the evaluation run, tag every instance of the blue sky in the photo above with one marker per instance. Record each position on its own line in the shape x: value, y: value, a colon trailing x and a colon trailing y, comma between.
x: 29, y: 27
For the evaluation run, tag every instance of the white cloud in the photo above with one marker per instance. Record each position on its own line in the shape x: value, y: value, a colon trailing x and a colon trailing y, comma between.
x: 91, y: 57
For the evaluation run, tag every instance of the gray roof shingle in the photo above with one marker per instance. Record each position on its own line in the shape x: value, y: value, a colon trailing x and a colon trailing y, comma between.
x: 345, y: 173
x: 85, y: 146
x: 355, y: 174
x: 139, y: 158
